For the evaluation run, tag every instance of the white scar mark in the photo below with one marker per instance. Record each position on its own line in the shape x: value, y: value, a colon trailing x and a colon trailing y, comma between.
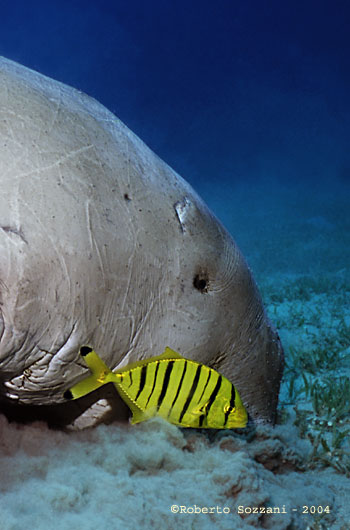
x: 182, y: 208
x: 38, y: 170
x: 92, y: 240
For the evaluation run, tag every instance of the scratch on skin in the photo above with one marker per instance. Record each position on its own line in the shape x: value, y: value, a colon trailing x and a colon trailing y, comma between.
x: 12, y: 230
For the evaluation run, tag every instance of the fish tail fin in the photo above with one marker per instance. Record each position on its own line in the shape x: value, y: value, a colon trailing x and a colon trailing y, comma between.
x: 100, y: 375
x: 94, y: 362
x: 82, y: 388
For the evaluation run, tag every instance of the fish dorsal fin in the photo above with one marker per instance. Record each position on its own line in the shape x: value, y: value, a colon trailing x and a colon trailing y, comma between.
x: 167, y: 354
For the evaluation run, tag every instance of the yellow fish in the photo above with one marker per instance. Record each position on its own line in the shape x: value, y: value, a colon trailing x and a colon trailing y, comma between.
x: 181, y: 391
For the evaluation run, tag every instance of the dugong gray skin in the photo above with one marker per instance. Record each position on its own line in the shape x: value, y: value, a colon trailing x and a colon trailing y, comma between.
x: 103, y: 244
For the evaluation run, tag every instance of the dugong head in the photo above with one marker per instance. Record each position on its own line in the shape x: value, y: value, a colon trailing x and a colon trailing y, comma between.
x: 101, y: 243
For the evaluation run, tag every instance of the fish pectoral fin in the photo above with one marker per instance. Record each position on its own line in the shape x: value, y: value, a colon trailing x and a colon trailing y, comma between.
x: 200, y: 410
x: 142, y: 415
x: 138, y: 416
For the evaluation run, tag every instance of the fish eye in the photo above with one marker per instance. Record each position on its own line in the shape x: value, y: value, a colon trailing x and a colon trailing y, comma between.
x: 228, y: 408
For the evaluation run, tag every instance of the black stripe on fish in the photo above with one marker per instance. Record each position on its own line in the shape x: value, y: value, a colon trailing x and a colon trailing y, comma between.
x: 214, y: 393
x: 165, y: 383
x: 154, y: 384
x: 179, y: 387
x: 130, y: 375
x: 142, y: 380
x: 232, y: 405
x: 191, y: 392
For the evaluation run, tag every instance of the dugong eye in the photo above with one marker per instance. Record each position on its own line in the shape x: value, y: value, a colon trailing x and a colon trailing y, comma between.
x: 200, y: 282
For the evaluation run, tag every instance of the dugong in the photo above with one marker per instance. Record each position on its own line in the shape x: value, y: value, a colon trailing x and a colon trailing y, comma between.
x: 103, y: 244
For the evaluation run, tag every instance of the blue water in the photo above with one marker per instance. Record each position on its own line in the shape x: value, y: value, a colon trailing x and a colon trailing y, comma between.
x: 224, y: 91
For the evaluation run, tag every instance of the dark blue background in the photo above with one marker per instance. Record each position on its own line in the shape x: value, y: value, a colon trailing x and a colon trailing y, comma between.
x: 235, y: 95
x: 228, y: 89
